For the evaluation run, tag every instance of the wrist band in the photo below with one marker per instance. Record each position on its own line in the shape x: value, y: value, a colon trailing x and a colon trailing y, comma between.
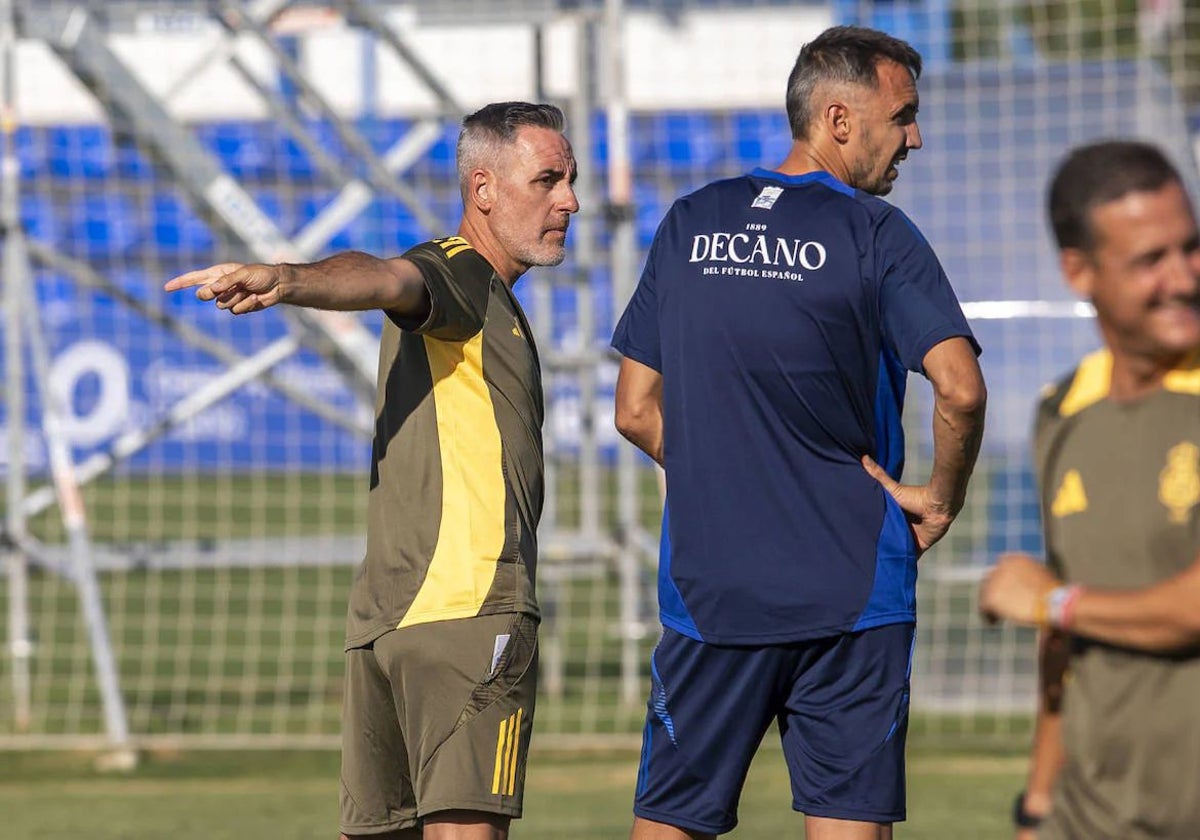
x: 1040, y: 611
x: 1059, y: 605
x: 1021, y: 817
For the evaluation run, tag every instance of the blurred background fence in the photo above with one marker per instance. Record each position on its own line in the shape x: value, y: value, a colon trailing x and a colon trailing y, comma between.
x: 185, y: 492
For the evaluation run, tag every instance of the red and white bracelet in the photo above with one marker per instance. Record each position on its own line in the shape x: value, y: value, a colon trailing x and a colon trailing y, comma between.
x: 1060, y: 605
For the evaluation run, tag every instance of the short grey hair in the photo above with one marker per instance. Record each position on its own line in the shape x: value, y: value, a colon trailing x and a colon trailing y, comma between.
x: 485, y: 132
x: 846, y: 54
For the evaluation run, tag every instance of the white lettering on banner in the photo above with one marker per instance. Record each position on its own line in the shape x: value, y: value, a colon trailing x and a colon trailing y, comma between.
x: 33, y: 451
x: 759, y: 249
x: 218, y: 423
x: 108, y: 415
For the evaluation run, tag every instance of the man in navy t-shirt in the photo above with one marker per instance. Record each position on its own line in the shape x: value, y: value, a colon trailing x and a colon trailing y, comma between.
x: 766, y: 350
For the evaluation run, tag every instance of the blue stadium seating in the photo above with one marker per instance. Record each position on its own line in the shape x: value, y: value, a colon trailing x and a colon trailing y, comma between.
x: 177, y: 229
x: 79, y: 151
x: 241, y: 148
x: 30, y: 146
x: 678, y: 140
x: 760, y: 138
x: 41, y: 219
x: 104, y: 224
x: 979, y: 133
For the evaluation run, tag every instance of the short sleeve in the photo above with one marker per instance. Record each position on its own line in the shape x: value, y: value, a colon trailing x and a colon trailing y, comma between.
x: 637, y: 334
x: 459, y: 281
x: 917, y: 306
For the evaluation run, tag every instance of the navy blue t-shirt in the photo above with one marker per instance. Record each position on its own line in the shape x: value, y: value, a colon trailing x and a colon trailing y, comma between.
x: 783, y: 313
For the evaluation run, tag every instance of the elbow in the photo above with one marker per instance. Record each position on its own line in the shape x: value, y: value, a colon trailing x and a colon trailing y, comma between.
x: 629, y: 420
x: 966, y: 396
x: 638, y: 423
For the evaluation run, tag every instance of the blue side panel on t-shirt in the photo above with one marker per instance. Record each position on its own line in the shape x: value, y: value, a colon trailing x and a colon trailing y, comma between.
x: 783, y: 313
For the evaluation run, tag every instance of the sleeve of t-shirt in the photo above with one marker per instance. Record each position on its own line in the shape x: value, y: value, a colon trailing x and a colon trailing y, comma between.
x: 917, y: 306
x: 459, y: 281
x: 637, y: 334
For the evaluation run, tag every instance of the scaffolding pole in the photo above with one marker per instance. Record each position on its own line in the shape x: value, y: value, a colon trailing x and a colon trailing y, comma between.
x: 16, y: 563
x: 623, y: 256
x: 24, y: 329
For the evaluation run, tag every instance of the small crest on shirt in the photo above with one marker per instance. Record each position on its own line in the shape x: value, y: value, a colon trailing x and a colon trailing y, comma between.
x: 1070, y: 497
x: 1179, y: 481
x: 767, y: 198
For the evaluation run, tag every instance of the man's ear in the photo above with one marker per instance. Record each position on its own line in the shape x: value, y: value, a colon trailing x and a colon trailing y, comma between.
x: 837, y: 118
x: 482, y: 189
x: 1078, y: 270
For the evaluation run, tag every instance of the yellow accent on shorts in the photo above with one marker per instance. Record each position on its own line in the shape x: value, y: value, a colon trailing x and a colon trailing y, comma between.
x: 508, y: 745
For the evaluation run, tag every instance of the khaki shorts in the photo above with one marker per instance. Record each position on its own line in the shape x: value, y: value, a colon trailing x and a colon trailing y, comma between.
x: 437, y: 717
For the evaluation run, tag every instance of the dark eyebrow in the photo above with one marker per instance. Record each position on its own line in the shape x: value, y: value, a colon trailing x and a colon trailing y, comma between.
x: 1148, y: 258
x: 557, y: 174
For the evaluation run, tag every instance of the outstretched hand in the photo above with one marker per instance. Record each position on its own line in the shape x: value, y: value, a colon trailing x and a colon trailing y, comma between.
x: 238, y: 287
x: 929, y: 518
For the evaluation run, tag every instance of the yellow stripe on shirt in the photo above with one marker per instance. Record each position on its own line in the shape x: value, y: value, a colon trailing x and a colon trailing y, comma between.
x: 471, y: 532
x: 1091, y: 384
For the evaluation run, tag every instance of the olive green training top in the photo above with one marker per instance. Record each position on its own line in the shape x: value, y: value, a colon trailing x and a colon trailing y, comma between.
x: 1120, y: 485
x: 456, y: 464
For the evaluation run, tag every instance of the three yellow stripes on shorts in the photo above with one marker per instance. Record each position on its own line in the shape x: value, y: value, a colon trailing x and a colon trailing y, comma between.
x: 508, y: 744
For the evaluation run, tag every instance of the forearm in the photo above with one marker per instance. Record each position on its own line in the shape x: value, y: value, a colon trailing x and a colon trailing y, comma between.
x: 1046, y: 756
x: 639, y: 407
x: 356, y: 281
x: 1159, y: 619
x: 957, y: 434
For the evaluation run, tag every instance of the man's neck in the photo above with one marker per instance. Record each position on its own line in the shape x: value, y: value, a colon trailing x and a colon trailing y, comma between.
x: 489, y: 248
x: 805, y: 157
x: 1134, y: 376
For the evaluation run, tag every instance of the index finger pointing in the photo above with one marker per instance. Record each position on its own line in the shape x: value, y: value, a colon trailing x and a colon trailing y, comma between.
x: 200, y: 277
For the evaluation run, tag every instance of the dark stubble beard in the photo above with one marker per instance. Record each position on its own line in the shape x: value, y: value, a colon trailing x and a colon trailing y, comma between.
x: 864, y: 177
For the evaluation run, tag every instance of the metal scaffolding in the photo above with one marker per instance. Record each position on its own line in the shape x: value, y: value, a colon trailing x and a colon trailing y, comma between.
x: 78, y: 33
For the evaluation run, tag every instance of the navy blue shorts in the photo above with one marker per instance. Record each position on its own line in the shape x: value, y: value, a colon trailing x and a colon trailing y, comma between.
x: 842, y: 708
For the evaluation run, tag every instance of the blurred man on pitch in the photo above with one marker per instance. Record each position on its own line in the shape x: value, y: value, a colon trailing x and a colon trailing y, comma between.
x: 1116, y: 753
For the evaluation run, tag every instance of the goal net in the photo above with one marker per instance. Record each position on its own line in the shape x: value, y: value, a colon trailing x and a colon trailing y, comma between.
x: 223, y: 462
